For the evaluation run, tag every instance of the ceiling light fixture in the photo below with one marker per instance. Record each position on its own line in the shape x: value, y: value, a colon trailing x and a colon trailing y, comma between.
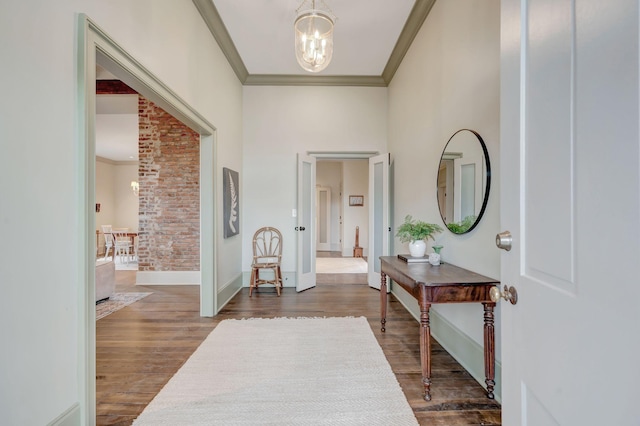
x: 314, y: 36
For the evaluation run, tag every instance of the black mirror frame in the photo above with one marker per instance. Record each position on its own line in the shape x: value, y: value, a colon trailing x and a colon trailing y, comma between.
x: 488, y: 184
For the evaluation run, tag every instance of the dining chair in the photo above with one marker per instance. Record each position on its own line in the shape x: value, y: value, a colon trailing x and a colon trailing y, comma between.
x: 108, y: 240
x: 122, y: 243
x: 267, y: 256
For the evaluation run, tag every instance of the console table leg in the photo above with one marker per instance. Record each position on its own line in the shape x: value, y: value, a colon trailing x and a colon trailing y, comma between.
x: 383, y: 300
x: 425, y: 345
x: 489, y: 348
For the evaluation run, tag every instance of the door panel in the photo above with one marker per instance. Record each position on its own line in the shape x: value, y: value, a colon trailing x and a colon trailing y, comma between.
x: 323, y: 218
x: 305, y: 229
x: 378, y: 216
x: 570, y: 195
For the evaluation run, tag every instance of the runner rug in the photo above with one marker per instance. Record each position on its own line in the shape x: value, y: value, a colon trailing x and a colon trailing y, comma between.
x: 283, y: 371
x: 341, y: 265
x: 116, y: 302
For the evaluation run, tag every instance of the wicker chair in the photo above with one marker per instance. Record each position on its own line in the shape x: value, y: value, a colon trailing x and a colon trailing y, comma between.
x: 267, y: 254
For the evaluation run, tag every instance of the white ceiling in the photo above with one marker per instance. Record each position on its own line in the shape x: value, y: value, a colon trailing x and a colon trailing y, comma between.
x: 370, y: 40
x: 365, y: 34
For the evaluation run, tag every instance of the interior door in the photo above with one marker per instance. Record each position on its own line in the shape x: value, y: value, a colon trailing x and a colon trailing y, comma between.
x: 570, y: 196
x: 305, y: 227
x: 379, y: 215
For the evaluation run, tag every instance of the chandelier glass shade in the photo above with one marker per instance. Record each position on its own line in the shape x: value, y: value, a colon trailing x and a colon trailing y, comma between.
x: 314, y: 38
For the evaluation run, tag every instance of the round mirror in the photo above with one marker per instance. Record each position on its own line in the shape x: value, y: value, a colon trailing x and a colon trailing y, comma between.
x: 464, y: 178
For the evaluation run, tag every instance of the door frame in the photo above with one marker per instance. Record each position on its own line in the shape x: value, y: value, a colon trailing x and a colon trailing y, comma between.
x: 339, y: 156
x: 95, y: 46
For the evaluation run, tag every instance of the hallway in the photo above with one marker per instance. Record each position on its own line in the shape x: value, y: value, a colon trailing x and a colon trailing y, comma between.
x: 141, y: 346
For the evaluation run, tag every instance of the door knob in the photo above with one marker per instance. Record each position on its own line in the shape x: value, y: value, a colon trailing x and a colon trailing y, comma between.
x: 504, y: 240
x: 510, y: 294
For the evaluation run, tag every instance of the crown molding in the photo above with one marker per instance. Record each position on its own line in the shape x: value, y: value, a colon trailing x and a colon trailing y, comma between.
x: 416, y: 18
x: 219, y: 31
x: 313, y: 80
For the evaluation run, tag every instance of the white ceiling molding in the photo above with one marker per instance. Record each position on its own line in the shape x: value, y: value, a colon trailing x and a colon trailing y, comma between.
x: 215, y: 22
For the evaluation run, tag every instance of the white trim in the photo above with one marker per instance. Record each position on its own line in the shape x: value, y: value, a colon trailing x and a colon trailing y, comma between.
x: 168, y: 278
x: 95, y: 46
x: 229, y: 290
x: 343, y: 155
x: 237, y: 278
x: 70, y: 417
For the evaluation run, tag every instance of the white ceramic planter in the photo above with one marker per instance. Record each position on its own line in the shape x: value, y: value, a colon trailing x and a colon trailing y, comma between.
x: 417, y: 248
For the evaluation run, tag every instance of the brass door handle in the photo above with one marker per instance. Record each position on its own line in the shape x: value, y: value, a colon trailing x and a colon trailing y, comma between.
x: 510, y: 294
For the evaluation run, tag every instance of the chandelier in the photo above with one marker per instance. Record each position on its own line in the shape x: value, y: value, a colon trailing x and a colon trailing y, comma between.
x: 314, y: 36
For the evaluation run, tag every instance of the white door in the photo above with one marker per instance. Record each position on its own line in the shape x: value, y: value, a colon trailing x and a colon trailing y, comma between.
x: 323, y: 218
x: 305, y: 228
x: 379, y: 221
x: 570, y: 196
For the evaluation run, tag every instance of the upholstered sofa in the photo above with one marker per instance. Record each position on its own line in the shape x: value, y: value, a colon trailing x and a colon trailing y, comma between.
x: 105, y: 279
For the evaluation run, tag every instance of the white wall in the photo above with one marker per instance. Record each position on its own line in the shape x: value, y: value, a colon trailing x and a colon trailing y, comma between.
x: 280, y: 122
x: 105, y: 176
x: 449, y: 80
x: 41, y: 365
x: 356, y: 182
x: 118, y: 204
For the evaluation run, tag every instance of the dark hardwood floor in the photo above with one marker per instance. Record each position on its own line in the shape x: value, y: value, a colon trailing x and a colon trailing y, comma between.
x: 140, y: 347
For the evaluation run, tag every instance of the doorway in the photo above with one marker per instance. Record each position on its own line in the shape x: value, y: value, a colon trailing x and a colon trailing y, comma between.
x: 97, y: 48
x: 340, y: 254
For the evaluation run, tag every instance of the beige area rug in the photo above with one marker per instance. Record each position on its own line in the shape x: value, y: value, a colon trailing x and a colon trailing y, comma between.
x: 116, y: 302
x: 341, y: 265
x: 283, y: 371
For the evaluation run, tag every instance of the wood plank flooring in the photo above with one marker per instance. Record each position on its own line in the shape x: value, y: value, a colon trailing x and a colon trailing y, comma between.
x: 140, y: 347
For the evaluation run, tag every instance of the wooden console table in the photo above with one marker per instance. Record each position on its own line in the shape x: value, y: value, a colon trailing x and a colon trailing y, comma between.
x: 441, y: 284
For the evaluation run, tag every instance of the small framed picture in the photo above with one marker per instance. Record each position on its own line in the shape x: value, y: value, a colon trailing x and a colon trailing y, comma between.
x: 356, y: 200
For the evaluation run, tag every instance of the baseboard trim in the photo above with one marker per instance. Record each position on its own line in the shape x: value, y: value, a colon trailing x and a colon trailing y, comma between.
x: 228, y: 290
x: 468, y: 353
x: 71, y: 417
x: 168, y: 278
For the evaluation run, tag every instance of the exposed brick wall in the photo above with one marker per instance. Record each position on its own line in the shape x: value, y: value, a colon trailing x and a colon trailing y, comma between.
x: 169, y: 199
x: 113, y: 87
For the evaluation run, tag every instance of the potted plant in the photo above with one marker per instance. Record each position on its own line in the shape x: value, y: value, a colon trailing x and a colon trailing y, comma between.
x: 416, y: 232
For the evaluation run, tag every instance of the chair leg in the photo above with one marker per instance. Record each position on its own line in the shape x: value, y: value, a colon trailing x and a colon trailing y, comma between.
x: 252, y: 281
x: 276, y: 279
